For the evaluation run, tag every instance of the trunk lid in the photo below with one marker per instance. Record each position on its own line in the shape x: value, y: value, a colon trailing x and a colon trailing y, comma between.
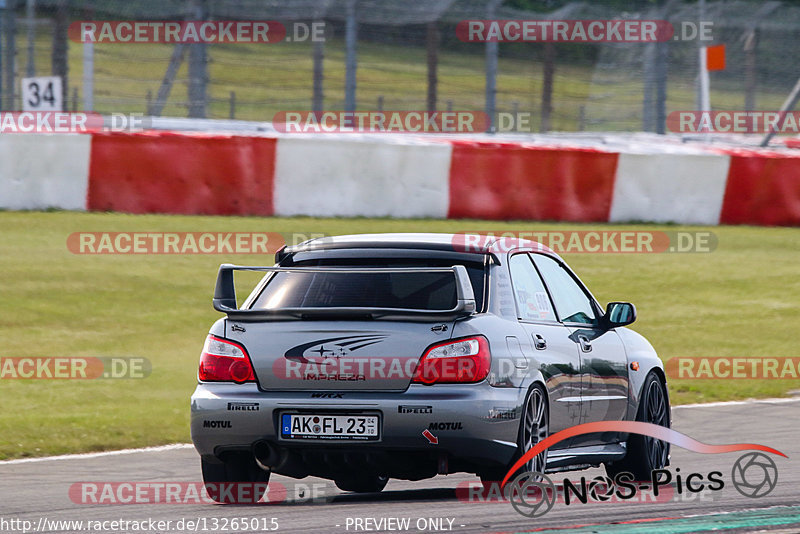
x: 332, y: 355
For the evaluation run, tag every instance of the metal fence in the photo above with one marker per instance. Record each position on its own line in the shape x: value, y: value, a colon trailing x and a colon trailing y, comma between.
x: 390, y: 55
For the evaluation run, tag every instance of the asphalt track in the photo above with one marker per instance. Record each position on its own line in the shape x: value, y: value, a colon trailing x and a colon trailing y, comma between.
x: 39, y: 491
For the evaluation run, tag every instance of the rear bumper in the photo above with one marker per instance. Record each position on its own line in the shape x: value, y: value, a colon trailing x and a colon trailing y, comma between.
x: 476, y: 425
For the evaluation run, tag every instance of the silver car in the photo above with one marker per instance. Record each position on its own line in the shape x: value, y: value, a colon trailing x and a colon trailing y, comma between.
x: 368, y: 357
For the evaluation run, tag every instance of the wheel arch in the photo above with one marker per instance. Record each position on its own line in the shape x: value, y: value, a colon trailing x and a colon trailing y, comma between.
x: 532, y: 380
x: 637, y: 384
x: 662, y: 377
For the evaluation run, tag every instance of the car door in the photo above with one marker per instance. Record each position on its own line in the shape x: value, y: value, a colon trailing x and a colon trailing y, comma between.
x: 548, y: 344
x: 603, y: 362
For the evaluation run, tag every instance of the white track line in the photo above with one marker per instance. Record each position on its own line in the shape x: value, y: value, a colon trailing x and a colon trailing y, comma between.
x: 738, y: 403
x: 179, y: 446
x: 162, y: 448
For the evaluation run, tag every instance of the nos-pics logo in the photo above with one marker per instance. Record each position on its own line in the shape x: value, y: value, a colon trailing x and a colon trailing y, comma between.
x: 533, y: 494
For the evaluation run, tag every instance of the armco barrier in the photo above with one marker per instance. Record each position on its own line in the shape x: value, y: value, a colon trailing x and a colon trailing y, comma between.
x: 40, y: 171
x: 686, y: 188
x: 163, y: 172
x: 762, y: 189
x: 519, y: 181
x: 396, y: 176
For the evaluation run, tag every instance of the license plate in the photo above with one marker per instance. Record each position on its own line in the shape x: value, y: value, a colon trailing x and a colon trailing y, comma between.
x: 329, y: 427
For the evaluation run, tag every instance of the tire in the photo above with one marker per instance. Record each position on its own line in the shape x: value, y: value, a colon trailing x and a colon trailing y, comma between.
x: 534, y: 426
x: 645, y: 453
x: 230, y: 470
x: 368, y: 483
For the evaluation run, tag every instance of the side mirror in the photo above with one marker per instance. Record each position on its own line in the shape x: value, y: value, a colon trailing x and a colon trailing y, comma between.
x: 619, y: 314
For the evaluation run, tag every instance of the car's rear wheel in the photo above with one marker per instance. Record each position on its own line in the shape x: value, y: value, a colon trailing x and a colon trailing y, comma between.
x: 363, y: 483
x: 534, y: 427
x: 234, y: 479
x: 644, y: 452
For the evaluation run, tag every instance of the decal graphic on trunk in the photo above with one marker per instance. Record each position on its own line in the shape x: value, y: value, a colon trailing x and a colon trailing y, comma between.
x: 334, y: 347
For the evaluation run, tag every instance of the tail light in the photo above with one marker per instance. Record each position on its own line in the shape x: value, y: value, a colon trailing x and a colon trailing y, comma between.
x: 459, y: 361
x: 223, y: 360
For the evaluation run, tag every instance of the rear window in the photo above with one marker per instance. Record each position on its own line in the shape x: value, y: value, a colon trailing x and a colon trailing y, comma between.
x: 419, y: 291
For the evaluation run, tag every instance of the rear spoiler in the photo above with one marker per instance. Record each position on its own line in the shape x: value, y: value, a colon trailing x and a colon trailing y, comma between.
x: 225, y: 295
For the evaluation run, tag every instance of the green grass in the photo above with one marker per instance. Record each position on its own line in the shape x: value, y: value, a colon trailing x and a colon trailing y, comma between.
x: 740, y: 300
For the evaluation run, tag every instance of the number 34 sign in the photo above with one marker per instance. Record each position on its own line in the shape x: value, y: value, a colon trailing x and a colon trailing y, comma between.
x: 42, y: 93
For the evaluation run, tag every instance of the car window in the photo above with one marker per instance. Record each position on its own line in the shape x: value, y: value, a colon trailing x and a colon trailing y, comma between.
x: 529, y: 291
x: 420, y: 291
x: 572, y: 304
x: 427, y: 291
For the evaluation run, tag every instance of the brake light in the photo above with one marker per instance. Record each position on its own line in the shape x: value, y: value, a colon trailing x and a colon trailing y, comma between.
x: 223, y: 360
x: 459, y: 361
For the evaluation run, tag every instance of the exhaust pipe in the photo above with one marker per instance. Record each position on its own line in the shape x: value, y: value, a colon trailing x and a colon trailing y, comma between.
x: 271, y: 458
x: 267, y: 457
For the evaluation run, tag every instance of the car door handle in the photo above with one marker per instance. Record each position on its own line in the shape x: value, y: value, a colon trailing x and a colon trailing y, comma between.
x: 585, y: 345
x: 539, y: 342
